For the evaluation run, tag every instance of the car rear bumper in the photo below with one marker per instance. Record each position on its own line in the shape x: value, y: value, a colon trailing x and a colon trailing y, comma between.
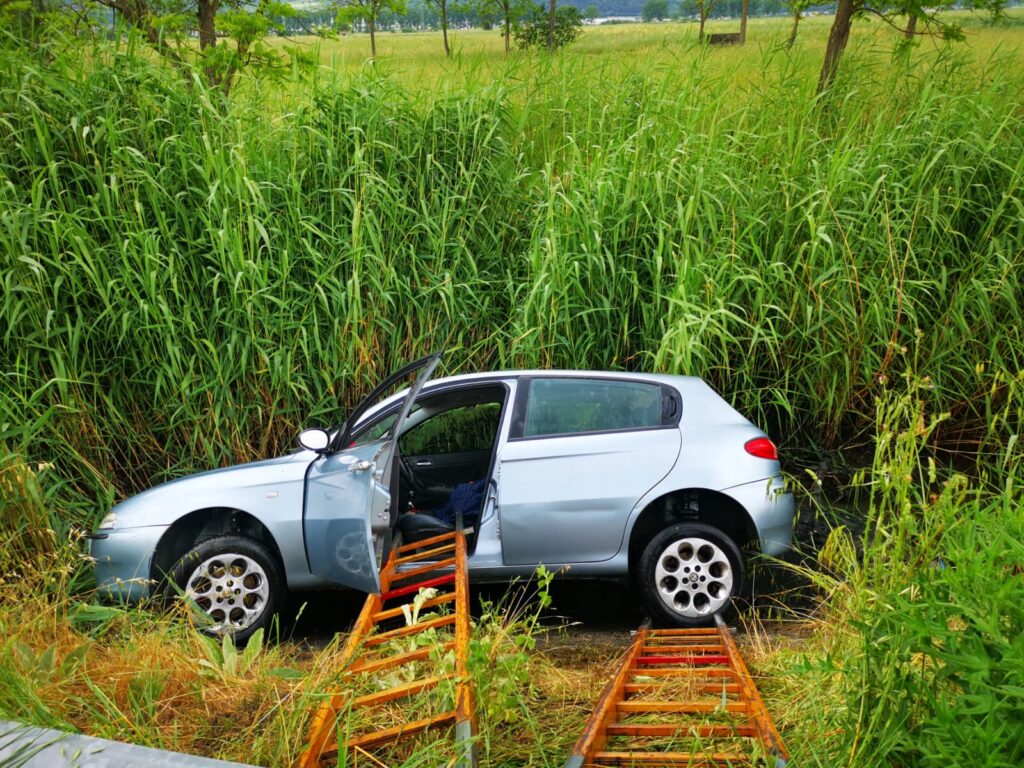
x: 771, y: 507
x: 122, y: 560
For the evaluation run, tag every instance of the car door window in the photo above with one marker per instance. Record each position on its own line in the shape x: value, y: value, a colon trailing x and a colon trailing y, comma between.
x: 457, y: 430
x: 573, y: 406
x: 378, y: 430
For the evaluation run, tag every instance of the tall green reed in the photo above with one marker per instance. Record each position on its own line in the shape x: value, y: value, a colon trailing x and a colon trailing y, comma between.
x: 920, y: 661
x: 185, y: 287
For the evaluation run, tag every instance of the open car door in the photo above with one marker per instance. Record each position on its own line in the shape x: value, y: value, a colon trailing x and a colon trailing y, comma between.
x: 347, y: 517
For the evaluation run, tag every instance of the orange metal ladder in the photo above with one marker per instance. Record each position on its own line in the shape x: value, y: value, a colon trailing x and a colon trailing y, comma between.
x: 440, y: 563
x: 679, y: 691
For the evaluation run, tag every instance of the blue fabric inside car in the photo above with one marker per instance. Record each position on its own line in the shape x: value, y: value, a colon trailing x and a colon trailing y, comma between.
x: 466, y: 498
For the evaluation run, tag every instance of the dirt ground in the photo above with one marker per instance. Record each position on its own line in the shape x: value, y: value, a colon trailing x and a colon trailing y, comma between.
x: 591, y: 617
x: 592, y: 613
x: 589, y: 622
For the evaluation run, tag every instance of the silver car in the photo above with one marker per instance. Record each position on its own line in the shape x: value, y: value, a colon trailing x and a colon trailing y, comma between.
x: 648, y: 477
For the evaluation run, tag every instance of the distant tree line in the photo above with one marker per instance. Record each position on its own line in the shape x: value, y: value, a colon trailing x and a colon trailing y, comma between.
x: 419, y: 15
x: 231, y: 34
x: 675, y: 9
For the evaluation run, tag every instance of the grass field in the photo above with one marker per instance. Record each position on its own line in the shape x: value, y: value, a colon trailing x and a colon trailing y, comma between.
x: 185, y: 284
x: 667, y: 48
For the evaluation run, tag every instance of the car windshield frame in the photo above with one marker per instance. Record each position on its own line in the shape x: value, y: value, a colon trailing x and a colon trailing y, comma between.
x: 343, y: 435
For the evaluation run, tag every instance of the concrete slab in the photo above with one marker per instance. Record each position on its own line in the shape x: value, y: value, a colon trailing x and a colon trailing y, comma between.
x: 24, y: 746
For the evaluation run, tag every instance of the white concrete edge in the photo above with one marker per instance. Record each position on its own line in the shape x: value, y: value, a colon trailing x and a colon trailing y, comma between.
x: 25, y: 746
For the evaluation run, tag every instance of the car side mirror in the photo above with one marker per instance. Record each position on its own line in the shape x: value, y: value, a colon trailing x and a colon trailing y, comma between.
x: 314, y: 440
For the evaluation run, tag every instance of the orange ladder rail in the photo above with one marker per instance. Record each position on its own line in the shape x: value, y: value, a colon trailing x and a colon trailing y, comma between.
x: 433, y: 555
x: 708, y: 662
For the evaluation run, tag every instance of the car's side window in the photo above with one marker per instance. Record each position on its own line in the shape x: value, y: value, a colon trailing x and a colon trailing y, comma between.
x: 457, y: 430
x: 571, y: 406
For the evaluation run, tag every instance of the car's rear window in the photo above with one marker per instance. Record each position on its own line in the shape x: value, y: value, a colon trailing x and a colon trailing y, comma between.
x: 571, y: 406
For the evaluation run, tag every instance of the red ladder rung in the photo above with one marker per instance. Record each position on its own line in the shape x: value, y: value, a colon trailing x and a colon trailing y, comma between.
x: 696, y: 661
x: 413, y: 588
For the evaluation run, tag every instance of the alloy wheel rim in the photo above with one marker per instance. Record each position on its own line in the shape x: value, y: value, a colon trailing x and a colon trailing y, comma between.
x: 694, y: 578
x: 231, y: 589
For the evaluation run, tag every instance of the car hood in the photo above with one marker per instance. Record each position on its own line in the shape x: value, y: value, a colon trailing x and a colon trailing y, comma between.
x: 223, y: 487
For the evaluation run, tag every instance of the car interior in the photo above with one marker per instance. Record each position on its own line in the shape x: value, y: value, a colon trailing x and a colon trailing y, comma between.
x: 445, y: 455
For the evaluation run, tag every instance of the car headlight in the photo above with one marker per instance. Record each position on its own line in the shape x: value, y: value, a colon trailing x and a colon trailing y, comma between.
x: 108, y: 522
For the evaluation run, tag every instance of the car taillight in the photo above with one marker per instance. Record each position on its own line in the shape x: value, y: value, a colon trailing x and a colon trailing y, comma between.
x: 762, y: 447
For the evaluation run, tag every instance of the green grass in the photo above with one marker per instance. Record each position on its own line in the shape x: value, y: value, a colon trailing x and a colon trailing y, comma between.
x: 917, y: 658
x: 185, y: 285
x: 184, y: 288
x: 417, y: 62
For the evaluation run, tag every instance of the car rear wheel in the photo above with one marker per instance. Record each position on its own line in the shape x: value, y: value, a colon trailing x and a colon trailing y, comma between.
x: 233, y: 582
x: 688, y: 573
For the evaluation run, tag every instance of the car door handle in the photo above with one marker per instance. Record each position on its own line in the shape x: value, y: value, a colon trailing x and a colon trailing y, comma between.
x: 424, y: 463
x: 360, y: 466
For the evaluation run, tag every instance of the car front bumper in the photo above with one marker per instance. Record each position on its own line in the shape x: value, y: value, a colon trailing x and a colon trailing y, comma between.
x: 122, y: 560
x: 771, y: 508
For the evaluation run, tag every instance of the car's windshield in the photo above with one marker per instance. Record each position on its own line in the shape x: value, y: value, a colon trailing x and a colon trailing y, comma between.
x: 414, y: 374
x: 370, y: 429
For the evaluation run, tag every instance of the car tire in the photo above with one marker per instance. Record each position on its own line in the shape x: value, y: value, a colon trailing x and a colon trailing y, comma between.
x: 234, y: 581
x: 688, y: 573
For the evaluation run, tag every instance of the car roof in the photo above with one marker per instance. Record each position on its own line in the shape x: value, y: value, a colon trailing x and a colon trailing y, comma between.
x: 563, y: 373
x: 681, y: 383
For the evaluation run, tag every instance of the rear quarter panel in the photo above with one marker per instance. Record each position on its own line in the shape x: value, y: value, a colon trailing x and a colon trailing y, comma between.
x: 712, y: 457
x: 713, y: 438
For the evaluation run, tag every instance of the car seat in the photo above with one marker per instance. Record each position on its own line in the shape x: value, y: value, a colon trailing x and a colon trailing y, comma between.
x: 417, y: 526
x: 465, y: 498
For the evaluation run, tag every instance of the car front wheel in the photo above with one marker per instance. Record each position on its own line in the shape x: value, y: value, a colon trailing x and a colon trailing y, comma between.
x: 235, y: 583
x: 688, y: 573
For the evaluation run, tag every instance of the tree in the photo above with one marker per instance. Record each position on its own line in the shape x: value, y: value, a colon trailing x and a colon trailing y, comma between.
x: 552, y: 23
x: 591, y: 12
x: 797, y: 8
x: 368, y: 11
x: 248, y: 31
x: 911, y: 30
x: 654, y: 10
x: 534, y: 28
x: 995, y: 8
x: 701, y: 9
x: 223, y: 52
x: 442, y: 12
x: 23, y: 19
x: 509, y: 11
x: 913, y: 10
x: 704, y: 9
